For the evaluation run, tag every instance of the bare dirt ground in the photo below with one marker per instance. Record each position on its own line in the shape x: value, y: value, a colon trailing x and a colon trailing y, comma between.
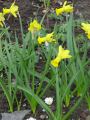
x: 83, y: 8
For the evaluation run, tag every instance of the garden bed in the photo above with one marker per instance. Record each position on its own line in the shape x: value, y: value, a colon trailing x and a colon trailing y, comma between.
x: 39, y: 63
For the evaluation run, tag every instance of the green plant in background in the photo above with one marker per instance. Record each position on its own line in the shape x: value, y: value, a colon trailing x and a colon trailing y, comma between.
x: 19, y: 62
x: 6, y: 62
x: 46, y: 3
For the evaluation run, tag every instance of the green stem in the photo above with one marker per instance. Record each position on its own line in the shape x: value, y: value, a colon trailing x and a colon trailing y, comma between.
x: 58, y: 97
x: 33, y: 64
x: 21, y: 27
x: 45, y: 71
x: 44, y: 16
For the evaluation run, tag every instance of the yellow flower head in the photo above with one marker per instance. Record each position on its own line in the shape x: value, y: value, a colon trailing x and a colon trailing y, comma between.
x: 12, y: 10
x: 62, y: 54
x: 68, y: 9
x: 64, y: 8
x: 47, y: 38
x: 1, y: 19
x: 86, y: 28
x: 34, y: 26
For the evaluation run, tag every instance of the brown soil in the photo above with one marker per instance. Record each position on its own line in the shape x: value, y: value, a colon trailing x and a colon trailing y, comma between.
x: 83, y: 9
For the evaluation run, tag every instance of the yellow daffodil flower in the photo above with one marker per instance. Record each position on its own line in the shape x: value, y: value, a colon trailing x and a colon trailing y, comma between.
x: 62, y: 54
x: 12, y: 10
x: 47, y: 38
x: 86, y: 28
x: 34, y: 26
x: 1, y: 19
x: 64, y: 9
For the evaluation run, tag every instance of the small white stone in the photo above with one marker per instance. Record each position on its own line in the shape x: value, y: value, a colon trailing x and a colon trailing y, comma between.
x: 40, y: 58
x: 42, y: 117
x: 31, y: 118
x: 49, y: 100
x: 46, y: 117
x: 24, y: 105
x: 43, y: 110
x: 44, y: 11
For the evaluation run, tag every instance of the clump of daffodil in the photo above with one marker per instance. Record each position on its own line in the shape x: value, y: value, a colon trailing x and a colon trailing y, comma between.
x: 86, y: 28
x: 62, y: 54
x: 34, y: 26
x: 12, y: 10
x: 47, y: 38
x: 64, y: 9
x: 1, y: 19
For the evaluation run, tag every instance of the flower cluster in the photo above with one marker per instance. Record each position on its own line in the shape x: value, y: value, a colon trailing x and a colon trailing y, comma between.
x: 64, y: 9
x: 12, y: 10
x: 35, y: 26
x: 62, y: 54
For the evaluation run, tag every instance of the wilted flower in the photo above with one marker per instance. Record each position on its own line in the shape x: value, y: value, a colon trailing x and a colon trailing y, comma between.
x: 12, y: 10
x: 1, y: 19
x: 31, y: 118
x: 86, y: 28
x: 49, y: 100
x: 65, y: 8
x: 47, y: 38
x: 34, y: 26
x: 62, y: 54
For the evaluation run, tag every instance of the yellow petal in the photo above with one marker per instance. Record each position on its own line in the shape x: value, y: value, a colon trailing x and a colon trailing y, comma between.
x: 47, y: 38
x: 12, y: 10
x: 68, y: 8
x: 1, y: 19
x: 86, y: 28
x: 59, y: 11
x: 62, y: 54
x: 65, y: 8
x: 41, y: 40
x: 6, y: 11
x: 1, y: 24
x: 65, y: 3
x: 34, y: 26
x: 55, y: 62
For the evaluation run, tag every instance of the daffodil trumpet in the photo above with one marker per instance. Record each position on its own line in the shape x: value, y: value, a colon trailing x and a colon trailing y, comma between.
x: 34, y: 26
x: 62, y: 54
x: 64, y: 9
